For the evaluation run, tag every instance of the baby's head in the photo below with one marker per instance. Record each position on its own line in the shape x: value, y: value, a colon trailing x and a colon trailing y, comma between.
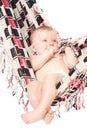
x: 43, y: 38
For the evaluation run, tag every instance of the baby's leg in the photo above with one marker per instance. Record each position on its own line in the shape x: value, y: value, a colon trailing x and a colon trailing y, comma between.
x: 34, y: 94
x: 48, y: 95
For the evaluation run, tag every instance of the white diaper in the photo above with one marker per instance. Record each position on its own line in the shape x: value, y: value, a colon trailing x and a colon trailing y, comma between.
x: 59, y: 72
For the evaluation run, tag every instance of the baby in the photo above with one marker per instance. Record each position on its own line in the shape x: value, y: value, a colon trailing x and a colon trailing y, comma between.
x: 50, y: 67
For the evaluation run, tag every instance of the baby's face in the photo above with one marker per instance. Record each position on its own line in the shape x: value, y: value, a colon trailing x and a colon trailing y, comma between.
x: 44, y: 40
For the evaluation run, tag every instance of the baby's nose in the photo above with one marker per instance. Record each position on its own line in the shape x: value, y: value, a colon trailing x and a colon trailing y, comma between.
x: 51, y: 44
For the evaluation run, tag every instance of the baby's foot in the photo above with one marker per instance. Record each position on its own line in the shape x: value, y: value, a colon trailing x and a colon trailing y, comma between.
x: 31, y: 117
x: 49, y: 116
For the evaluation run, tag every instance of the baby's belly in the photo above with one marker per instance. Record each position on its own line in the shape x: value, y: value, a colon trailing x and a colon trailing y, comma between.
x: 51, y: 66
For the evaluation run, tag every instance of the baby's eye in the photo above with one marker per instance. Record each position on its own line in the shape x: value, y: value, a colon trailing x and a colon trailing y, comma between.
x: 44, y: 40
x: 54, y: 40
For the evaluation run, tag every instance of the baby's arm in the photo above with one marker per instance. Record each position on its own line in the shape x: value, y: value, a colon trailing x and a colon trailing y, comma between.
x: 69, y: 58
x: 37, y: 61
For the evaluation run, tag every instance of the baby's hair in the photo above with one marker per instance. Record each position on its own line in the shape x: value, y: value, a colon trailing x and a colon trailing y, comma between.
x: 41, y: 28
x: 45, y: 27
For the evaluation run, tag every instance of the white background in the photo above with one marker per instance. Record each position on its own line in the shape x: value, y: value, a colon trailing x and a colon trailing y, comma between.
x: 69, y: 18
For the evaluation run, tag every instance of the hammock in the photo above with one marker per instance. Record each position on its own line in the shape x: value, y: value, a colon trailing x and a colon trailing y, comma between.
x: 18, y: 18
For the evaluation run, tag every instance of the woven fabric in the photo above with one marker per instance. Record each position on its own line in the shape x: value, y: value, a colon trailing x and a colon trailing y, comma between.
x: 18, y: 18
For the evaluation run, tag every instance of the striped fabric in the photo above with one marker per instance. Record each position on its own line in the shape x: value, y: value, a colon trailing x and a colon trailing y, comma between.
x: 18, y: 18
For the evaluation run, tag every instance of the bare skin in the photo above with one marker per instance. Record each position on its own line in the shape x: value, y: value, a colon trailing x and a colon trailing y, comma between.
x: 40, y: 113
x: 34, y: 100
x: 45, y: 63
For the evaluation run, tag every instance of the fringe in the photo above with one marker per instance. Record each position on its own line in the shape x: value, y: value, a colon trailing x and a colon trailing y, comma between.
x: 73, y: 99
x: 13, y: 82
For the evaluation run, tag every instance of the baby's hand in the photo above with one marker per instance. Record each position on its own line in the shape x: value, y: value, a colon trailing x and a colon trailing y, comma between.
x: 50, y: 51
x: 62, y: 49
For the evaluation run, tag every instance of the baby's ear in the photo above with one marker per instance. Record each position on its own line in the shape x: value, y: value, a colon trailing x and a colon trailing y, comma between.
x: 33, y: 48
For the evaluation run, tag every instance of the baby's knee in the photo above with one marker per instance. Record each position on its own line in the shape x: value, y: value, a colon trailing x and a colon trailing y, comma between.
x: 33, y: 83
x: 49, y: 78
